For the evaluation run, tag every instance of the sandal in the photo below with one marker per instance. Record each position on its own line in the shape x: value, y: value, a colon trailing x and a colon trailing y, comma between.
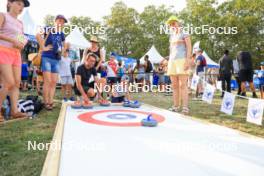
x: 1, y: 118
x: 18, y: 115
x: 52, y: 105
x: 48, y: 107
x: 175, y: 109
x: 185, y: 110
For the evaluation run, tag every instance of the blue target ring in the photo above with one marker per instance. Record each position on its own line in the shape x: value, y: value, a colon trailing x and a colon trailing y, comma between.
x: 121, y: 116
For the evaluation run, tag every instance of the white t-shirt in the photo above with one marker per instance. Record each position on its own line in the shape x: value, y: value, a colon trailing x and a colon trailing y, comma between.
x: 65, y: 66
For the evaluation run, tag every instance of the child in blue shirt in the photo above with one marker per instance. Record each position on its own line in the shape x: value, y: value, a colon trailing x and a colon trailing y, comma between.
x: 261, y: 80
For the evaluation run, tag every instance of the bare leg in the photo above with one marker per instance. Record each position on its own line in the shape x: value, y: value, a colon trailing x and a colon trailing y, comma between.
x: 7, y: 80
x: 175, y: 90
x: 53, y: 83
x: 183, y: 79
x: 46, y: 86
x: 63, y: 90
x: 14, y: 92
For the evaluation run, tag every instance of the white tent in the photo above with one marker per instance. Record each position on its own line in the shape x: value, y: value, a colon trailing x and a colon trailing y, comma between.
x: 30, y: 27
x: 154, y: 56
x: 76, y: 39
x: 209, y: 61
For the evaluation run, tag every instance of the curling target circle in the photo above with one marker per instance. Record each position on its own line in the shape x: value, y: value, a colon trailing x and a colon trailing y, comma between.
x: 118, y: 118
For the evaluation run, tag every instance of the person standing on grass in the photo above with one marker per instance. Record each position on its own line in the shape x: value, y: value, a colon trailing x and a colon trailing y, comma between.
x: 66, y: 76
x: 246, y: 72
x: 161, y: 72
x: 225, y: 72
x: 148, y: 69
x: 120, y: 71
x: 261, y: 80
x: 51, y: 45
x: 236, y: 75
x: 178, y: 66
x: 24, y: 75
x: 111, y: 66
x: 200, y: 71
x: 12, y: 41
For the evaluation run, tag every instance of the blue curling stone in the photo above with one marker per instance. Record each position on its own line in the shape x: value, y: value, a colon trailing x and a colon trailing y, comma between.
x: 149, y: 122
x: 135, y: 104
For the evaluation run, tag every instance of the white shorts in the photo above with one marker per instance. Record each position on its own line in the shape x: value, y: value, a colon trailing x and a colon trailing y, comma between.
x: 66, y: 80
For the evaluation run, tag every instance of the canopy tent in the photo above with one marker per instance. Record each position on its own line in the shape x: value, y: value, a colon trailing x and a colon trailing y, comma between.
x: 30, y: 27
x: 209, y: 61
x: 76, y: 39
x: 154, y: 56
x: 127, y: 61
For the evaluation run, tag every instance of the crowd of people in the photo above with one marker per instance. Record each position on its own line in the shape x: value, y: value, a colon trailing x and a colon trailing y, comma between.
x: 84, y: 83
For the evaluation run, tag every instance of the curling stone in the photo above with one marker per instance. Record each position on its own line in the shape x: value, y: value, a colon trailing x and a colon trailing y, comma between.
x: 135, y: 104
x: 105, y: 104
x: 126, y: 104
x: 76, y: 105
x: 149, y: 122
x: 87, y: 106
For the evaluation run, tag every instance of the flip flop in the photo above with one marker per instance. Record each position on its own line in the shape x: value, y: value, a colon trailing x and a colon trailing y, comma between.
x: 18, y: 115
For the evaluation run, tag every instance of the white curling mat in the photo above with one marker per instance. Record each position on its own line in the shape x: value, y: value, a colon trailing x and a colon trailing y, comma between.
x: 107, y: 141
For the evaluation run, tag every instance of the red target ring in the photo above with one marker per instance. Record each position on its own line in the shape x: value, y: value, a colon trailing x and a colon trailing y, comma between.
x: 88, y: 118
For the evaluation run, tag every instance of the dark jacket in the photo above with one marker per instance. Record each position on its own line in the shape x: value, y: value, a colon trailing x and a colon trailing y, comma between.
x: 226, y: 65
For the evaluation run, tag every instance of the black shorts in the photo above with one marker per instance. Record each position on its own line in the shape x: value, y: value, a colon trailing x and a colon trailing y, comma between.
x: 118, y: 99
x: 85, y: 88
x: 246, y: 75
x: 111, y: 80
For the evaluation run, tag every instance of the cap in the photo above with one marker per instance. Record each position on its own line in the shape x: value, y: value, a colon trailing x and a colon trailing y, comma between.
x: 61, y: 17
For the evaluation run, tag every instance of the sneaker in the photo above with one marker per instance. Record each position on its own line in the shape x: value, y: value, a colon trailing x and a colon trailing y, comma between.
x: 72, y: 99
x: 244, y: 94
x: 254, y: 95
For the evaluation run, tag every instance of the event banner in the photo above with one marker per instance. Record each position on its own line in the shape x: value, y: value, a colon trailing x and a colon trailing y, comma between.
x: 228, y: 103
x: 255, y: 111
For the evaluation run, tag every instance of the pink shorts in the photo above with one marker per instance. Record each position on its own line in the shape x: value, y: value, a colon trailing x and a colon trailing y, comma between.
x: 10, y: 56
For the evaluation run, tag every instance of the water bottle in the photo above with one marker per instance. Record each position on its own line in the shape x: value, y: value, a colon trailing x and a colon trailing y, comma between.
x: 6, y: 109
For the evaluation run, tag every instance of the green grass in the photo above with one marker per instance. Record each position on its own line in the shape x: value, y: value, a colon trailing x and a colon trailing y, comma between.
x: 15, y: 159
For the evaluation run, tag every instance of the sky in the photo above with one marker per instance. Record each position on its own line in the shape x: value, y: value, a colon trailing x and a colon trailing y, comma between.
x: 96, y: 9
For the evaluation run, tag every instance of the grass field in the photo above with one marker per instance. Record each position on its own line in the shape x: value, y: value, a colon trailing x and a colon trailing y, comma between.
x: 15, y: 159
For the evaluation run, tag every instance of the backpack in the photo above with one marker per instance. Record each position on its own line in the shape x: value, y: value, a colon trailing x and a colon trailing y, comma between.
x: 37, y: 103
x: 120, y: 72
x: 204, y: 63
x: 149, y: 67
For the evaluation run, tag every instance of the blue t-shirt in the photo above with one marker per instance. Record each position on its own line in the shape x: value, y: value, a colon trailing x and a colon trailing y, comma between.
x: 56, y: 40
x: 260, y: 74
x: 200, y: 68
x: 24, y: 71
